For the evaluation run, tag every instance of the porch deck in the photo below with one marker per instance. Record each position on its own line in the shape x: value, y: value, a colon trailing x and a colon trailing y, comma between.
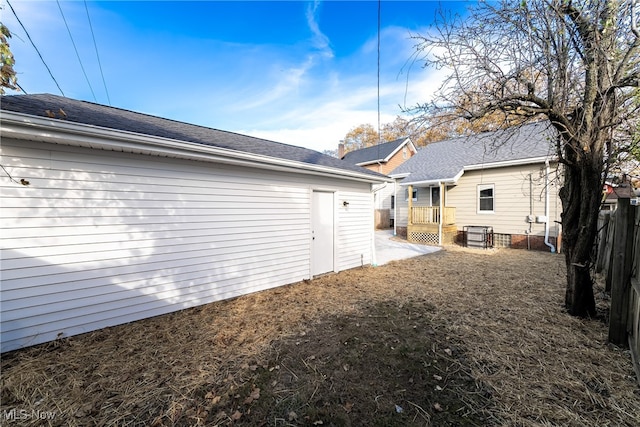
x: 424, y: 225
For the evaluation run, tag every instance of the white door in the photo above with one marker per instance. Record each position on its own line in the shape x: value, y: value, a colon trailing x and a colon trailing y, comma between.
x: 322, y: 224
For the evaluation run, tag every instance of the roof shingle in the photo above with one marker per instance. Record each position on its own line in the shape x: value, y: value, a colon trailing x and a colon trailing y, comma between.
x: 374, y: 153
x: 446, y: 160
x: 89, y: 113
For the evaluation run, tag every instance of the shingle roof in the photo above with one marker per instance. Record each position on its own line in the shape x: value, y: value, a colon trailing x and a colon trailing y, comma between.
x: 88, y: 113
x: 446, y: 160
x: 375, y: 153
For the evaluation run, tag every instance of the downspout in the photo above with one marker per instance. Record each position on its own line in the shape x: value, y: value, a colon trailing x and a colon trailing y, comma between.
x: 395, y: 203
x: 546, y: 207
x: 440, y: 187
x: 530, y: 212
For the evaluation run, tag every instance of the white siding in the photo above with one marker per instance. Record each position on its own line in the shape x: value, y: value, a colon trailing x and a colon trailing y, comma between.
x: 402, y: 209
x: 102, y: 238
x: 512, y: 199
x: 354, y: 228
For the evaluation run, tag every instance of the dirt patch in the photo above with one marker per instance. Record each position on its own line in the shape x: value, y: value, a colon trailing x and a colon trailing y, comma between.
x: 459, y: 337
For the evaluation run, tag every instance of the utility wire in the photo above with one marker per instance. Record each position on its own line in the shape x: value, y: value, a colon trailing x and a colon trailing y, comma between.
x: 97, y: 56
x: 379, y: 135
x: 76, y: 49
x: 34, y: 46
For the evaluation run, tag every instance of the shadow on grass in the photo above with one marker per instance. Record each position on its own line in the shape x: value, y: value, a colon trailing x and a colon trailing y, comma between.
x: 395, y: 365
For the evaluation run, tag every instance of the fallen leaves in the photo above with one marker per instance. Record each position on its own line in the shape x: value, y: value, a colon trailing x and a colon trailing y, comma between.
x: 255, y: 395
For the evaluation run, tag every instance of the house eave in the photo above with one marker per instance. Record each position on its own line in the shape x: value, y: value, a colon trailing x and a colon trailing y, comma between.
x: 431, y: 182
x: 518, y: 162
x: 437, y: 181
x: 28, y: 127
x: 406, y: 142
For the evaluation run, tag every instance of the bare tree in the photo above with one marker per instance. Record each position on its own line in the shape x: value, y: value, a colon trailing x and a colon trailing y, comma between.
x: 572, y: 62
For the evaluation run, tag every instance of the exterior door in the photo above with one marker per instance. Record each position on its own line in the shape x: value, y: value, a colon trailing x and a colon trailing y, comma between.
x: 322, y: 226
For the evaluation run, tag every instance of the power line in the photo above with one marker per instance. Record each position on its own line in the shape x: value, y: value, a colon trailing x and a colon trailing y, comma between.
x: 76, y: 49
x: 34, y: 46
x: 379, y: 135
x: 98, y: 56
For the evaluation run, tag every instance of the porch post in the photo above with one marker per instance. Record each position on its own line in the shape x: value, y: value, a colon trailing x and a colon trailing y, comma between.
x: 441, y: 185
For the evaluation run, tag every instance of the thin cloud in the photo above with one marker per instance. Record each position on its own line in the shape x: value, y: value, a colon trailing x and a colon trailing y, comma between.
x: 320, y: 40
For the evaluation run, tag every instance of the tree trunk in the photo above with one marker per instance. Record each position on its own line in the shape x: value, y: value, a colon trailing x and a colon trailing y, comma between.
x: 581, y: 195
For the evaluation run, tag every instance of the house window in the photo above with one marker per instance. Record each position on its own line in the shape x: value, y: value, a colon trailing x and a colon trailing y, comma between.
x: 485, y: 198
x: 404, y: 152
x: 414, y: 195
x: 393, y: 202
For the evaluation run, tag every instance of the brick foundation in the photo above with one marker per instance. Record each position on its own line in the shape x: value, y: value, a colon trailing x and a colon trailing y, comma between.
x: 519, y: 241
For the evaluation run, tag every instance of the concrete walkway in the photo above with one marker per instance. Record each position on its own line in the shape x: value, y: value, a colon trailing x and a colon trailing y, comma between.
x: 392, y: 250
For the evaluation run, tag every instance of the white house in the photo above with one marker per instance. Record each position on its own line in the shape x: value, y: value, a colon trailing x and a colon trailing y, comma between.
x: 505, y: 181
x: 111, y: 216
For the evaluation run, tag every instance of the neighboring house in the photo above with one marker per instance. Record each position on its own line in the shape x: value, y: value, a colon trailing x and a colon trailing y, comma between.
x: 111, y: 216
x: 613, y: 191
x: 505, y: 181
x: 382, y: 158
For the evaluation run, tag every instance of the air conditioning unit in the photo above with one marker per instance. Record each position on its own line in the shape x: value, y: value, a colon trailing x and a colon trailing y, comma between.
x: 478, y: 236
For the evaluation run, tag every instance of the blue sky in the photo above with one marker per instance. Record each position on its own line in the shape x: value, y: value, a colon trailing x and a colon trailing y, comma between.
x: 302, y: 73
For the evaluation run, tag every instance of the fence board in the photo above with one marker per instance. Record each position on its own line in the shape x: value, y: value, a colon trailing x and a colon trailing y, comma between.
x: 619, y: 258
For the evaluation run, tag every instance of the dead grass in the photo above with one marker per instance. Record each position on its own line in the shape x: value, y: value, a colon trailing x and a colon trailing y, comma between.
x: 460, y: 337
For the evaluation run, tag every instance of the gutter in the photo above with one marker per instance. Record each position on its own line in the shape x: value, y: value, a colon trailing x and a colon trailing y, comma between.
x: 432, y: 182
x: 28, y: 127
x: 546, y: 208
x: 505, y: 163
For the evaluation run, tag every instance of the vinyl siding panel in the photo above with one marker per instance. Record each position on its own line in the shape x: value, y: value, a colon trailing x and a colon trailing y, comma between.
x: 102, y: 238
x: 354, y: 229
x: 402, y: 209
x: 382, y: 197
x: 512, y: 199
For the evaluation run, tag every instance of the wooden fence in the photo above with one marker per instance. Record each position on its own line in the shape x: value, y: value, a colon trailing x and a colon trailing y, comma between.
x: 382, y: 219
x: 619, y: 258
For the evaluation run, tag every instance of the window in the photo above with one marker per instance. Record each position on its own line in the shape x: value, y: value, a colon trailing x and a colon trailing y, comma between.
x: 485, y: 198
x: 404, y: 152
x: 393, y: 202
x: 414, y: 195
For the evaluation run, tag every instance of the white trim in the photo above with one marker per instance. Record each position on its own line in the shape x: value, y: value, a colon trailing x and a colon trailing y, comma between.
x: 454, y: 180
x: 29, y: 127
x: 406, y: 198
x: 505, y: 163
x: 431, y: 182
x: 405, y: 143
x: 400, y: 175
x: 481, y: 187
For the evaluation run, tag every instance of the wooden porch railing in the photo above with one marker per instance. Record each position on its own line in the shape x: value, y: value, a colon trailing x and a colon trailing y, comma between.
x: 431, y: 215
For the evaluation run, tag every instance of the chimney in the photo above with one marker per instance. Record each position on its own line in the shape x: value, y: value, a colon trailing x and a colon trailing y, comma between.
x: 341, y: 150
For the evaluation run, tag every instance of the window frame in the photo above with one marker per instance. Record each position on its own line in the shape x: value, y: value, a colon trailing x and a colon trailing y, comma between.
x: 480, y: 189
x: 406, y: 194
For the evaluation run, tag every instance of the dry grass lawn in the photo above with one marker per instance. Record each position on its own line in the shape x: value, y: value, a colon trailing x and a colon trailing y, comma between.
x: 460, y: 337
